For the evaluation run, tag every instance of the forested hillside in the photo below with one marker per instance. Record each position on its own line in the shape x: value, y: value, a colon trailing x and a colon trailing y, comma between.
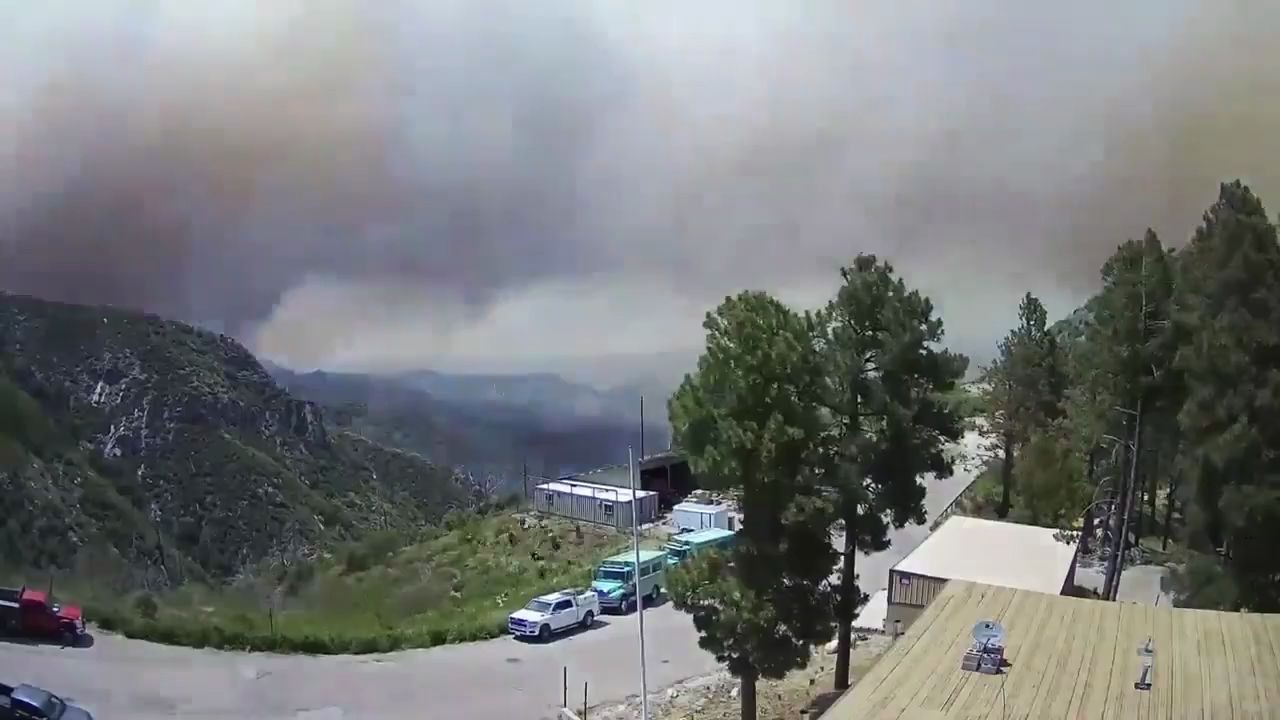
x: 161, y: 453
x: 490, y: 425
x: 1154, y: 410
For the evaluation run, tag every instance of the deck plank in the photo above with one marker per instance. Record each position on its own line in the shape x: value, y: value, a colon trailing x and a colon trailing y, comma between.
x: 1073, y: 658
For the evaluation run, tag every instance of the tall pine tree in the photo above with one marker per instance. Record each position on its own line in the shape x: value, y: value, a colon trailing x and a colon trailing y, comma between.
x: 889, y: 423
x: 749, y: 418
x: 1228, y: 304
x: 1129, y: 334
x: 1025, y: 388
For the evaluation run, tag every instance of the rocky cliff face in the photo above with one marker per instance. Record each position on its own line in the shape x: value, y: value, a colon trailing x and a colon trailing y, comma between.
x: 174, y: 448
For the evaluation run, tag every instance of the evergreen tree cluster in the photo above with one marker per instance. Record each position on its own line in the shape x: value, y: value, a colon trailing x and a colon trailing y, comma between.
x: 826, y: 424
x: 1153, y: 410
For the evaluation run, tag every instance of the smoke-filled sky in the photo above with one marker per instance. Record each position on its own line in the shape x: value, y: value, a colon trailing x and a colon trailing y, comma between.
x: 516, y: 185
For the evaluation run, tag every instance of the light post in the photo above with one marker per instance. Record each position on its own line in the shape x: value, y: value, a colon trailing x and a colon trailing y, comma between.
x: 635, y: 543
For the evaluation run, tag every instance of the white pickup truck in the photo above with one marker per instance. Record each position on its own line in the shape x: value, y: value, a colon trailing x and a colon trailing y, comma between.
x: 546, y: 615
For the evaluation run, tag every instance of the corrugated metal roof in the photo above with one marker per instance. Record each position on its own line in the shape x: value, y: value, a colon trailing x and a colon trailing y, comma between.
x: 600, y: 492
x: 995, y: 553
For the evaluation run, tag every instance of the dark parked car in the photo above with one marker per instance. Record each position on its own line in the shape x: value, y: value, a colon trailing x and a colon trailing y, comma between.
x: 27, y: 702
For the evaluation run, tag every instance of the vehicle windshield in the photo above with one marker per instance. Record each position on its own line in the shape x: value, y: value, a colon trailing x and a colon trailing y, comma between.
x: 613, y: 575
x: 54, y: 708
x: 677, y: 552
x: 541, y: 606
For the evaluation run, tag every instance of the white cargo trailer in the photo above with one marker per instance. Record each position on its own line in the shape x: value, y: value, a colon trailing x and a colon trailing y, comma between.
x: 696, y: 516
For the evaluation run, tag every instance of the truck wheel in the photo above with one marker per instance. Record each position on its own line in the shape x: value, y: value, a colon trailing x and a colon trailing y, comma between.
x: 657, y: 592
x: 631, y: 605
x: 588, y: 619
x: 544, y: 633
x: 68, y: 638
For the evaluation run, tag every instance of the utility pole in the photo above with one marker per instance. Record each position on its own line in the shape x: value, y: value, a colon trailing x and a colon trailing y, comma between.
x: 1132, y: 494
x: 635, y: 543
x: 1127, y: 505
x: 642, y: 427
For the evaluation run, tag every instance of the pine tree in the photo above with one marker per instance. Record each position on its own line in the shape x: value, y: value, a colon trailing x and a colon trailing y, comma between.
x: 890, y: 424
x: 749, y: 419
x: 1228, y: 301
x: 1025, y: 388
x: 1129, y: 332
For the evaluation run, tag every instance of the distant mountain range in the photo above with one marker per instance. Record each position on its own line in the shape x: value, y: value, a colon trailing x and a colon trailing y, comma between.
x: 492, y: 424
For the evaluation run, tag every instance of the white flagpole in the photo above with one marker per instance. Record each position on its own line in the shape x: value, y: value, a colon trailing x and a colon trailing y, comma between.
x: 635, y: 542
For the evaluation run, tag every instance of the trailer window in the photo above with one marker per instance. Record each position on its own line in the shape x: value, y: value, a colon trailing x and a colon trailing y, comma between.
x: 606, y: 508
x: 550, y: 497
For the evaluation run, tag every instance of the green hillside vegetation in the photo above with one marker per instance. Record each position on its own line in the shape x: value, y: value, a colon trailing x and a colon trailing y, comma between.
x: 456, y: 583
x: 158, y: 454
x: 157, y: 475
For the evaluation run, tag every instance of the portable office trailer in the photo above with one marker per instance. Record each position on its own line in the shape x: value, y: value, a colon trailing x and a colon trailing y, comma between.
x: 696, y: 516
x: 600, y: 504
x: 666, y: 473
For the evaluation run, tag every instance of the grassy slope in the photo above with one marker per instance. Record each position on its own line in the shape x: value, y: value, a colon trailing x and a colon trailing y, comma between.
x: 375, y: 596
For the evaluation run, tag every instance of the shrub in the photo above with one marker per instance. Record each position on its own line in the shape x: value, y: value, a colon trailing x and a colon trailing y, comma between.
x: 356, y: 559
x: 146, y: 607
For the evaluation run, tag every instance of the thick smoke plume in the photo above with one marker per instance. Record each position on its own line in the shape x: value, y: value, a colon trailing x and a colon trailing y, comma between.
x: 400, y: 184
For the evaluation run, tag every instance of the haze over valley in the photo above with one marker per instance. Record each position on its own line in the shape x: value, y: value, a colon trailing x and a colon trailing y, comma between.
x: 398, y: 186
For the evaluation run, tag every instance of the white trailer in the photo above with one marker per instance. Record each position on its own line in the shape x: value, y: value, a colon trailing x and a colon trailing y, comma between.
x: 696, y: 516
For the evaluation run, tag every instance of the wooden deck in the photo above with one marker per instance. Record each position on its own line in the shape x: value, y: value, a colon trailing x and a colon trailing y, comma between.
x: 1073, y: 658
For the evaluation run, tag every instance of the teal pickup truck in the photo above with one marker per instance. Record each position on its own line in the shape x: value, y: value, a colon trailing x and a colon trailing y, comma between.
x: 615, y: 582
x: 686, y: 545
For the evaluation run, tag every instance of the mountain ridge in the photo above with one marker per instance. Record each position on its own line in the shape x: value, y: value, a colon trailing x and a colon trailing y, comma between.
x: 168, y: 452
x: 492, y: 424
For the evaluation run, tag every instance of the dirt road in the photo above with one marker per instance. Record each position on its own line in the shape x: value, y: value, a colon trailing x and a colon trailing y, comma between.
x: 501, y: 679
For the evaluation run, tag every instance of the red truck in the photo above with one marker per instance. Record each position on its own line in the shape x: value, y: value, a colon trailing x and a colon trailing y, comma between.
x: 29, y: 612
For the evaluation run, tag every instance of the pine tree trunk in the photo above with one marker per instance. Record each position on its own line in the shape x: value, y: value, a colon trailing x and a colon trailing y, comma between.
x: 845, y: 605
x: 1153, y: 484
x: 1086, y: 526
x: 1141, y: 508
x: 1086, y: 530
x: 1114, y: 521
x: 747, y: 695
x: 1130, y: 499
x: 1006, y: 479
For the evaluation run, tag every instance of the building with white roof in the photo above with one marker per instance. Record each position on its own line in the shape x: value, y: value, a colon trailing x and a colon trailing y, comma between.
x: 990, y: 552
x: 595, y: 503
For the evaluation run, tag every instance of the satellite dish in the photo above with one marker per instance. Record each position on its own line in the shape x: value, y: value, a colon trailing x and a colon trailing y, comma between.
x: 988, y: 633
